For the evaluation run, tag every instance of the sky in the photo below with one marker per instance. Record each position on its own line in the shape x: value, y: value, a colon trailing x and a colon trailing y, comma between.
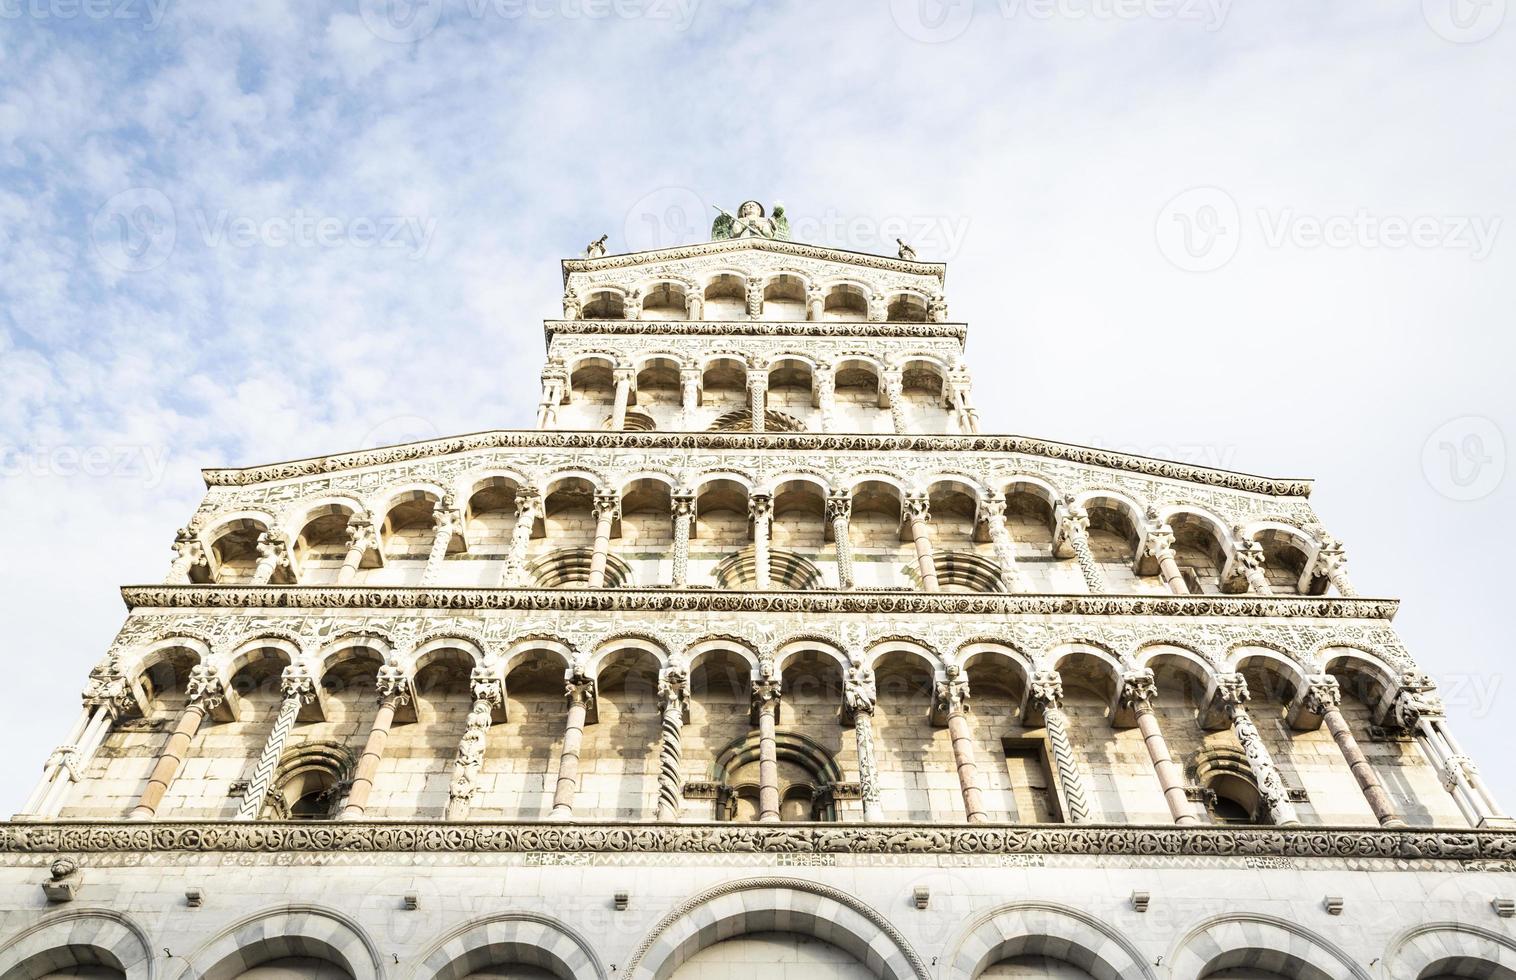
x: 1265, y: 235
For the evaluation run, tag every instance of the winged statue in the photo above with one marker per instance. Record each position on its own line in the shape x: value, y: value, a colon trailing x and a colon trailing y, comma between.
x: 751, y: 221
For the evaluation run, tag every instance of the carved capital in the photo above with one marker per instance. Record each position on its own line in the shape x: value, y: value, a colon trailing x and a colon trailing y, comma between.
x: 860, y: 694
x: 1046, y: 690
x: 1138, y: 688
x: 1158, y: 541
x: 392, y: 685
x: 273, y: 546
x: 579, y: 689
x: 674, y: 688
x: 918, y: 507
x: 839, y: 503
x: 486, y: 686
x: 992, y: 509
x: 683, y: 502
x: 204, y: 689
x: 607, y: 505
x: 760, y: 506
x: 297, y: 682
x: 1322, y: 694
x: 766, y: 691
x: 1232, y: 690
x: 952, y: 695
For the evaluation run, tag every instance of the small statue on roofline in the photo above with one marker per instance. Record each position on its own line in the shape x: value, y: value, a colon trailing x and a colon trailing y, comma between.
x: 751, y: 221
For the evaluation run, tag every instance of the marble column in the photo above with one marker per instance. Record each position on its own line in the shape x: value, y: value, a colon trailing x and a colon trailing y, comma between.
x: 489, y: 695
x: 755, y: 299
x: 1046, y: 699
x: 761, y: 509
x: 205, y: 693
x: 826, y: 396
x: 1419, y: 711
x: 674, y: 705
x: 689, y: 396
x: 1138, y: 689
x: 446, y: 522
x: 815, y: 303
x: 607, y: 507
x: 766, y: 715
x: 682, y: 504
x: 623, y: 378
x: 992, y: 512
x: 188, y: 554
x: 1332, y: 564
x: 554, y: 384
x: 63, y: 761
x: 1232, y: 693
x: 694, y: 303
x: 1072, y: 537
x: 894, y: 392
x: 1250, y: 560
x: 918, y: 512
x: 1158, y: 547
x: 361, y: 539
x: 757, y: 394
x: 273, y: 555
x: 298, y: 689
x: 1323, y: 697
x: 394, y: 690
x: 860, y: 697
x: 105, y: 700
x: 839, y: 510
x: 528, y: 506
x: 579, y: 690
x: 953, y: 701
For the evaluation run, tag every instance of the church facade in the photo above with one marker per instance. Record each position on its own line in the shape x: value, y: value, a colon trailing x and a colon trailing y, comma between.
x: 757, y: 657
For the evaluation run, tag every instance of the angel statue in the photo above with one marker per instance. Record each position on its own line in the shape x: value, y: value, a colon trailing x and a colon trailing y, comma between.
x: 751, y: 221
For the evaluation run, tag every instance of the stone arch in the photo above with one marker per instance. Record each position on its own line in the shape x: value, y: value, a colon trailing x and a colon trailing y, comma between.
x: 768, y: 904
x: 615, y: 647
x: 1045, y: 929
x: 231, y: 546
x: 910, y: 648
x: 434, y: 644
x: 289, y: 930
x: 1437, y: 950
x: 908, y: 306
x: 1286, y: 678
x: 1262, y: 941
x: 146, y: 658
x: 793, y: 647
x: 263, y: 646
x: 794, y: 750
x: 701, y: 649
x: 308, y: 781
x: 375, y: 644
x: 78, y: 937
x: 511, y: 938
x: 521, y: 650
x: 1373, y: 677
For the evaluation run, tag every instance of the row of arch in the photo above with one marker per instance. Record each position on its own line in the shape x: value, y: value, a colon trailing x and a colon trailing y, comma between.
x: 730, y: 294
x: 326, y: 943
x: 404, y: 517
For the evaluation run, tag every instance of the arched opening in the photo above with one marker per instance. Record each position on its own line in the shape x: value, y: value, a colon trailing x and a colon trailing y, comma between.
x: 490, y: 521
x: 964, y: 571
x: 666, y: 301
x: 726, y: 298
x: 1284, y: 558
x: 234, y: 551
x: 791, y: 387
x: 808, y: 778
x: 1230, y: 790
x: 1015, y: 776
x: 857, y: 397
x: 787, y: 570
x: 658, y: 388
x: 616, y: 782
x: 924, y: 390
x: 606, y: 304
x: 647, y: 530
x: 568, y: 514
x: 444, y: 698
x: 408, y: 529
x: 721, y: 525
x: 846, y: 302
x: 310, y: 782
x: 763, y: 955
x: 1249, y: 964
x: 1199, y: 552
x: 742, y: 421
x: 1029, y: 520
x: 569, y: 568
x: 875, y: 530
x: 592, y: 387
x: 95, y: 971
x: 522, y: 751
x: 799, y: 518
x: 903, y: 733
x: 1114, y: 537
x: 784, y: 298
x: 721, y: 691
x: 1035, y: 967
x: 321, y: 546
x: 907, y: 308
x: 723, y: 384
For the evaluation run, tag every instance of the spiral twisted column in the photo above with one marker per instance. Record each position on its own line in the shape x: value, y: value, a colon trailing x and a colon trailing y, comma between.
x: 894, y: 391
x: 299, y: 689
x: 446, y: 522
x: 674, y: 703
x: 1073, y: 537
x: 683, y: 505
x: 826, y: 395
x: 839, y: 510
x: 1232, y: 693
x: 992, y: 512
x: 1046, y: 698
x: 528, y: 506
x: 860, y: 697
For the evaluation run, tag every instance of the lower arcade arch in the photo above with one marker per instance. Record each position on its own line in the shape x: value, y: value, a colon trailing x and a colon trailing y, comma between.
x: 512, y: 946
x: 1259, y: 947
x: 1032, y: 939
x: 293, y: 942
x: 824, y: 923
x: 90, y: 944
x: 1452, y: 951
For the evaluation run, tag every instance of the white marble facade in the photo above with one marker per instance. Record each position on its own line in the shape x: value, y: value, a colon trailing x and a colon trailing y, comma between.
x: 759, y: 656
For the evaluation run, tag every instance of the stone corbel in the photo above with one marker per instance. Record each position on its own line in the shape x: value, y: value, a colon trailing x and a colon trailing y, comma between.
x: 1157, y: 541
x: 314, y: 698
x: 952, y: 694
x: 1044, y: 689
x: 1245, y: 561
x: 1402, y: 708
x: 1135, y: 686
x: 486, y: 684
x: 109, y: 688
x: 394, y: 681
x: 220, y: 700
x: 1221, y: 693
x: 1307, y: 709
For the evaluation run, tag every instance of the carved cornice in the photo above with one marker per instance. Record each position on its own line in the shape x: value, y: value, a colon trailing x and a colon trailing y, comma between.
x: 792, y: 442
x: 865, y: 260
x: 749, y: 328
x: 710, y: 600
x: 200, y: 837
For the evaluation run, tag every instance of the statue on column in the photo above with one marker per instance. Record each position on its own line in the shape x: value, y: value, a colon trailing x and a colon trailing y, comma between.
x: 596, y: 248
x: 751, y: 221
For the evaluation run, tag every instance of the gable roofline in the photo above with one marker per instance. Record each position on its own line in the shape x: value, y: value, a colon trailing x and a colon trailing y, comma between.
x: 867, y: 260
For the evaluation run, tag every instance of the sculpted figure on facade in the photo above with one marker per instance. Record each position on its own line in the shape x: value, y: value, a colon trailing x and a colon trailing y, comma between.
x: 751, y: 221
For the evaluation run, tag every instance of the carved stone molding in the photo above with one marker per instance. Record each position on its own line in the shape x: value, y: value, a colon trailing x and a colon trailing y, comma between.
x: 711, y: 600
x: 749, y: 328
x: 753, y: 245
x: 852, y: 838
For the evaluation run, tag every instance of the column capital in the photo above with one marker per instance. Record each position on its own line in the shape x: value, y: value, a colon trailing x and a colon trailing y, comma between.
x: 1232, y: 690
x: 674, y: 687
x: 624, y: 372
x: 485, y: 685
x: 839, y: 503
x: 917, y: 507
x: 107, y: 687
x: 992, y: 507
x: 1158, y: 541
x: 766, y: 691
x: 361, y: 532
x: 446, y: 516
x: 296, y: 682
x: 204, y: 689
x: 274, y: 546
x: 1412, y: 705
x: 607, y: 504
x: 952, y: 695
x: 1322, y: 694
x: 860, y: 693
x: 528, y: 502
x: 682, y: 501
x: 1138, y: 688
x: 937, y: 308
x: 760, y: 506
x: 579, y: 688
x: 392, y: 686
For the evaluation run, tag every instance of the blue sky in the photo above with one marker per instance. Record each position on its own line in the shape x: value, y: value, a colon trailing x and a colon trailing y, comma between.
x: 1265, y: 236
